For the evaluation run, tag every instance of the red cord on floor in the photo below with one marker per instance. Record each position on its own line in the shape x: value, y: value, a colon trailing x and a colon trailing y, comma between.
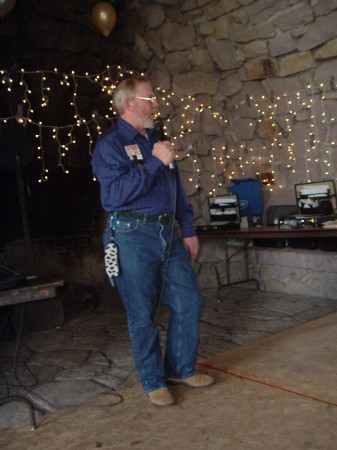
x: 256, y: 380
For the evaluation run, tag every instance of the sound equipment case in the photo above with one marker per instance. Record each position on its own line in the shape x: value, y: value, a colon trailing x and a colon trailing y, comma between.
x: 315, y: 204
x: 224, y: 213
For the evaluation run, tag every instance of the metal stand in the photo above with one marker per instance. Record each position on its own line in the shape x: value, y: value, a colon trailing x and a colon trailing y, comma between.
x: 228, y: 257
x: 20, y: 398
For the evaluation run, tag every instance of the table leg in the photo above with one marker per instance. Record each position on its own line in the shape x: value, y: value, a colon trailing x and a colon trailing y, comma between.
x: 228, y: 257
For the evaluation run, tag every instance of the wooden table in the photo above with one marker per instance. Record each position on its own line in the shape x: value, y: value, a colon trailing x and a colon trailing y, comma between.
x: 248, y: 234
x: 34, y: 290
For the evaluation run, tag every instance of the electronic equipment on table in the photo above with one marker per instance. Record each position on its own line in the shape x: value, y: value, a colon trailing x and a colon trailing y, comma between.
x: 316, y: 205
x: 224, y: 213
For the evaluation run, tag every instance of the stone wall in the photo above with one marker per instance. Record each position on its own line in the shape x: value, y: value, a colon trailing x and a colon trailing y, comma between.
x: 261, y: 78
x: 249, y: 85
x: 253, y: 62
x: 295, y: 271
x: 285, y: 270
x: 263, y: 72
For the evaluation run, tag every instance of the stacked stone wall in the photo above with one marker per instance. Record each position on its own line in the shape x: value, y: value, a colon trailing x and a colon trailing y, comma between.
x: 249, y: 85
x: 264, y: 73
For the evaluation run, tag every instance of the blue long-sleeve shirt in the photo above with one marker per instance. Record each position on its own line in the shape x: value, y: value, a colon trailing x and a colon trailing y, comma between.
x: 143, y: 186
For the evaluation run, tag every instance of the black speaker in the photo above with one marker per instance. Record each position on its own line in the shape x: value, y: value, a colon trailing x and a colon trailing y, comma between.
x: 274, y: 213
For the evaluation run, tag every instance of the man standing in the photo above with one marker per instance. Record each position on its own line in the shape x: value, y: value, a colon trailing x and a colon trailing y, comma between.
x: 144, y: 196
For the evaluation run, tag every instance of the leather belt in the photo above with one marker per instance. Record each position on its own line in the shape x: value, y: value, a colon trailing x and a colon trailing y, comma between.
x: 162, y: 218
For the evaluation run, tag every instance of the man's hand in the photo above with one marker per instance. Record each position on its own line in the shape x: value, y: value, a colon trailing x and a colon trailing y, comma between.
x: 164, y: 151
x: 192, y: 246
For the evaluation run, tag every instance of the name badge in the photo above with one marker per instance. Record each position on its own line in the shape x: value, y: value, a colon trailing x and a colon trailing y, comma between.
x: 134, y: 152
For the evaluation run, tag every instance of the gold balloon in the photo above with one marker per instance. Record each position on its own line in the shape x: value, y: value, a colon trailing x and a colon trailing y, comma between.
x: 6, y: 6
x: 104, y: 17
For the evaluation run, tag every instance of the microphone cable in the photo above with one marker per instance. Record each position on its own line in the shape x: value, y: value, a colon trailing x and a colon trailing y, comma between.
x: 160, y: 299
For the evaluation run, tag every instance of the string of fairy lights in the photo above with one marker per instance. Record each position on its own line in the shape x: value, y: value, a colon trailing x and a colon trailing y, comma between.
x: 276, y: 142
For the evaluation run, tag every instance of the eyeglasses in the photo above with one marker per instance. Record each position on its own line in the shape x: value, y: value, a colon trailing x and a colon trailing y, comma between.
x: 149, y: 99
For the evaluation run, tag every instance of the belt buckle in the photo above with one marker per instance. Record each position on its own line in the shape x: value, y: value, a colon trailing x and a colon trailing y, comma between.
x: 164, y: 218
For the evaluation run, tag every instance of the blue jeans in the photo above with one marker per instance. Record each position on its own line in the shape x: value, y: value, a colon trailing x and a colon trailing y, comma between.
x: 143, y: 257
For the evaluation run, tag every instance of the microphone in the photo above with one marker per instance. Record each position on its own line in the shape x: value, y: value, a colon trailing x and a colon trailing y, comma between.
x: 159, y: 126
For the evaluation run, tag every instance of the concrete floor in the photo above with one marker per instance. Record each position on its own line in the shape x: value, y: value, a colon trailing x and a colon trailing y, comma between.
x: 257, y: 403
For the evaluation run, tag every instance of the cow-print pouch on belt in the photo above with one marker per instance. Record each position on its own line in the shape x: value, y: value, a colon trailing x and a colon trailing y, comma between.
x: 111, y: 260
x: 110, y: 249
